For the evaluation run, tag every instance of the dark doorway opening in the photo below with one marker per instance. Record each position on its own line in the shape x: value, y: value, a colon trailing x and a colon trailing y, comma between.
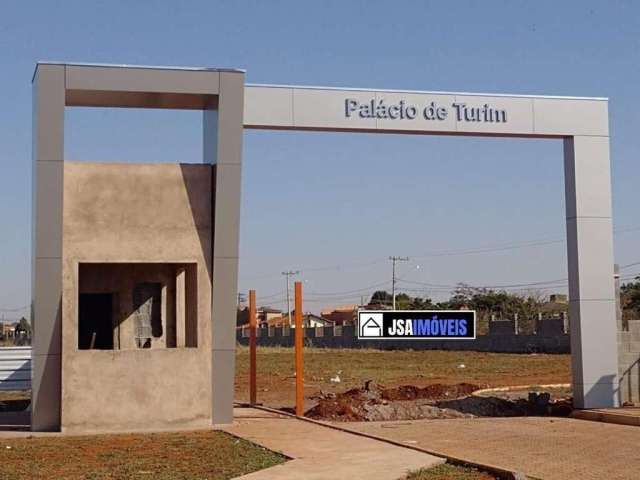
x: 95, y: 324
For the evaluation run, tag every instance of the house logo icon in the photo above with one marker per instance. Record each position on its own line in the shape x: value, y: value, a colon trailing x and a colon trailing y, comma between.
x: 369, y: 325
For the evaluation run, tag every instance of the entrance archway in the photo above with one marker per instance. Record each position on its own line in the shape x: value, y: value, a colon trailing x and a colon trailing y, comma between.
x: 208, y: 212
x: 582, y: 124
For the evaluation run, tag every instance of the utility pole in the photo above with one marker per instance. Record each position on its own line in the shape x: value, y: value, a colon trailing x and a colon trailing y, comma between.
x: 395, y: 259
x: 241, y: 299
x: 288, y: 274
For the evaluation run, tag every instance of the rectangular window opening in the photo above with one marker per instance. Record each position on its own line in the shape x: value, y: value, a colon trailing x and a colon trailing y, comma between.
x: 129, y: 306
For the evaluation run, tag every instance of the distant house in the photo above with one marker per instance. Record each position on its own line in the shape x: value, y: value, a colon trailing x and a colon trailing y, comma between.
x: 559, y: 298
x: 278, y: 321
x: 377, y: 306
x: 267, y: 314
x: 556, y: 306
x: 264, y: 316
x: 309, y: 320
x: 8, y: 330
x: 343, y: 315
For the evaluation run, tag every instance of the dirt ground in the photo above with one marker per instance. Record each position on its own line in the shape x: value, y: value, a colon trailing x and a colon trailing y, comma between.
x: 376, y: 403
x: 213, y: 455
x: 331, y: 371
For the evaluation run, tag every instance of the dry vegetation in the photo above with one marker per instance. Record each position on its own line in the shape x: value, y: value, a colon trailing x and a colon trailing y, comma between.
x: 212, y: 455
x: 276, y: 381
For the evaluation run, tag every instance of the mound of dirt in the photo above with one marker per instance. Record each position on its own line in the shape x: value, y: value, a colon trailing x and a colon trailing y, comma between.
x: 436, y: 391
x: 377, y: 403
x: 408, y: 402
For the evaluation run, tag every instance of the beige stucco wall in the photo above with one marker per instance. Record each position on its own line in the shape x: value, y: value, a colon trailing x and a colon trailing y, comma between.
x: 138, y: 213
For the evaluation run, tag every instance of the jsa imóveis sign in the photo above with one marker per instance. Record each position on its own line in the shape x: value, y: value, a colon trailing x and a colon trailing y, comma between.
x: 416, y: 324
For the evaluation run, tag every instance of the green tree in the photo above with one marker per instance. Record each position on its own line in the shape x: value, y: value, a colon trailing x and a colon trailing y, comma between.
x: 403, y: 301
x: 487, y: 302
x: 381, y: 296
x: 23, y: 326
x: 630, y: 298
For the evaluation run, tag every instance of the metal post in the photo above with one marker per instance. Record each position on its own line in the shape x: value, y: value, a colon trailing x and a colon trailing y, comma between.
x: 252, y: 347
x: 299, y: 344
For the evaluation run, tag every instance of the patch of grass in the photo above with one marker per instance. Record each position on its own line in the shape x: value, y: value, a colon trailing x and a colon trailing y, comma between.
x: 449, y: 472
x: 276, y: 379
x: 197, y: 455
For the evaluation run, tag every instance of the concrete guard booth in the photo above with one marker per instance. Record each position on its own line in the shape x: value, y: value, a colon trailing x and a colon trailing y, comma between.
x: 135, y: 265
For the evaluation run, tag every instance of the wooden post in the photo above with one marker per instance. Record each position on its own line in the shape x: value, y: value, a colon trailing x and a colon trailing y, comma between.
x: 252, y: 347
x: 299, y: 343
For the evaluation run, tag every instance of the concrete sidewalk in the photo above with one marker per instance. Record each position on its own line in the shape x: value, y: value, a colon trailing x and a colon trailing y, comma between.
x: 322, y: 453
x: 546, y: 448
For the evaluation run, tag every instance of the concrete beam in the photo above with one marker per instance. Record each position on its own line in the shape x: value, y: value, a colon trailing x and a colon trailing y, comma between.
x: 283, y: 107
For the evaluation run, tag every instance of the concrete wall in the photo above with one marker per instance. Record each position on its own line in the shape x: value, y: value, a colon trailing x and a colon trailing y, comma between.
x: 345, y: 337
x: 135, y: 213
x: 629, y: 362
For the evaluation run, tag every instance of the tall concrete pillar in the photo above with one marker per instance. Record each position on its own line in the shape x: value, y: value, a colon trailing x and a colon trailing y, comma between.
x: 46, y: 267
x: 223, y: 130
x: 590, y: 267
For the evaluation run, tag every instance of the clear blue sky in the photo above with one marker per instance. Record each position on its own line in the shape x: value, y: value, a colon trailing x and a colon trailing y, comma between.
x: 337, y: 205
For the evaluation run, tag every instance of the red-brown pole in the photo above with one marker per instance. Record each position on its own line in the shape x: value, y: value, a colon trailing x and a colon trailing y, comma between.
x: 299, y: 365
x: 252, y: 347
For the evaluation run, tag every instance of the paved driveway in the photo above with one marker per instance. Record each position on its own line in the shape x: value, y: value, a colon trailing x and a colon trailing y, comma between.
x: 544, y: 448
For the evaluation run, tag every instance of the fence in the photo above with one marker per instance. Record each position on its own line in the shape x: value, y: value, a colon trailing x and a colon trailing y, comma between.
x: 15, y: 368
x: 549, y: 338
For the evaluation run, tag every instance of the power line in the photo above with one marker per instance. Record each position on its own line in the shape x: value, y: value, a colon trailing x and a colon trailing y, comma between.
x: 523, y: 286
x: 10, y: 310
x: 629, y: 265
x: 273, y: 295
x: 320, y: 294
x: 450, y: 253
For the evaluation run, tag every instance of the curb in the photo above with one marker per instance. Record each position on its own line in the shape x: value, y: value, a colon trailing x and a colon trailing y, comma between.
x: 478, y: 393
x: 616, y: 418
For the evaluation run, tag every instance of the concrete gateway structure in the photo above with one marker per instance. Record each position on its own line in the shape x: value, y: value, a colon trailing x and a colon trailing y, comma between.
x: 135, y: 265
